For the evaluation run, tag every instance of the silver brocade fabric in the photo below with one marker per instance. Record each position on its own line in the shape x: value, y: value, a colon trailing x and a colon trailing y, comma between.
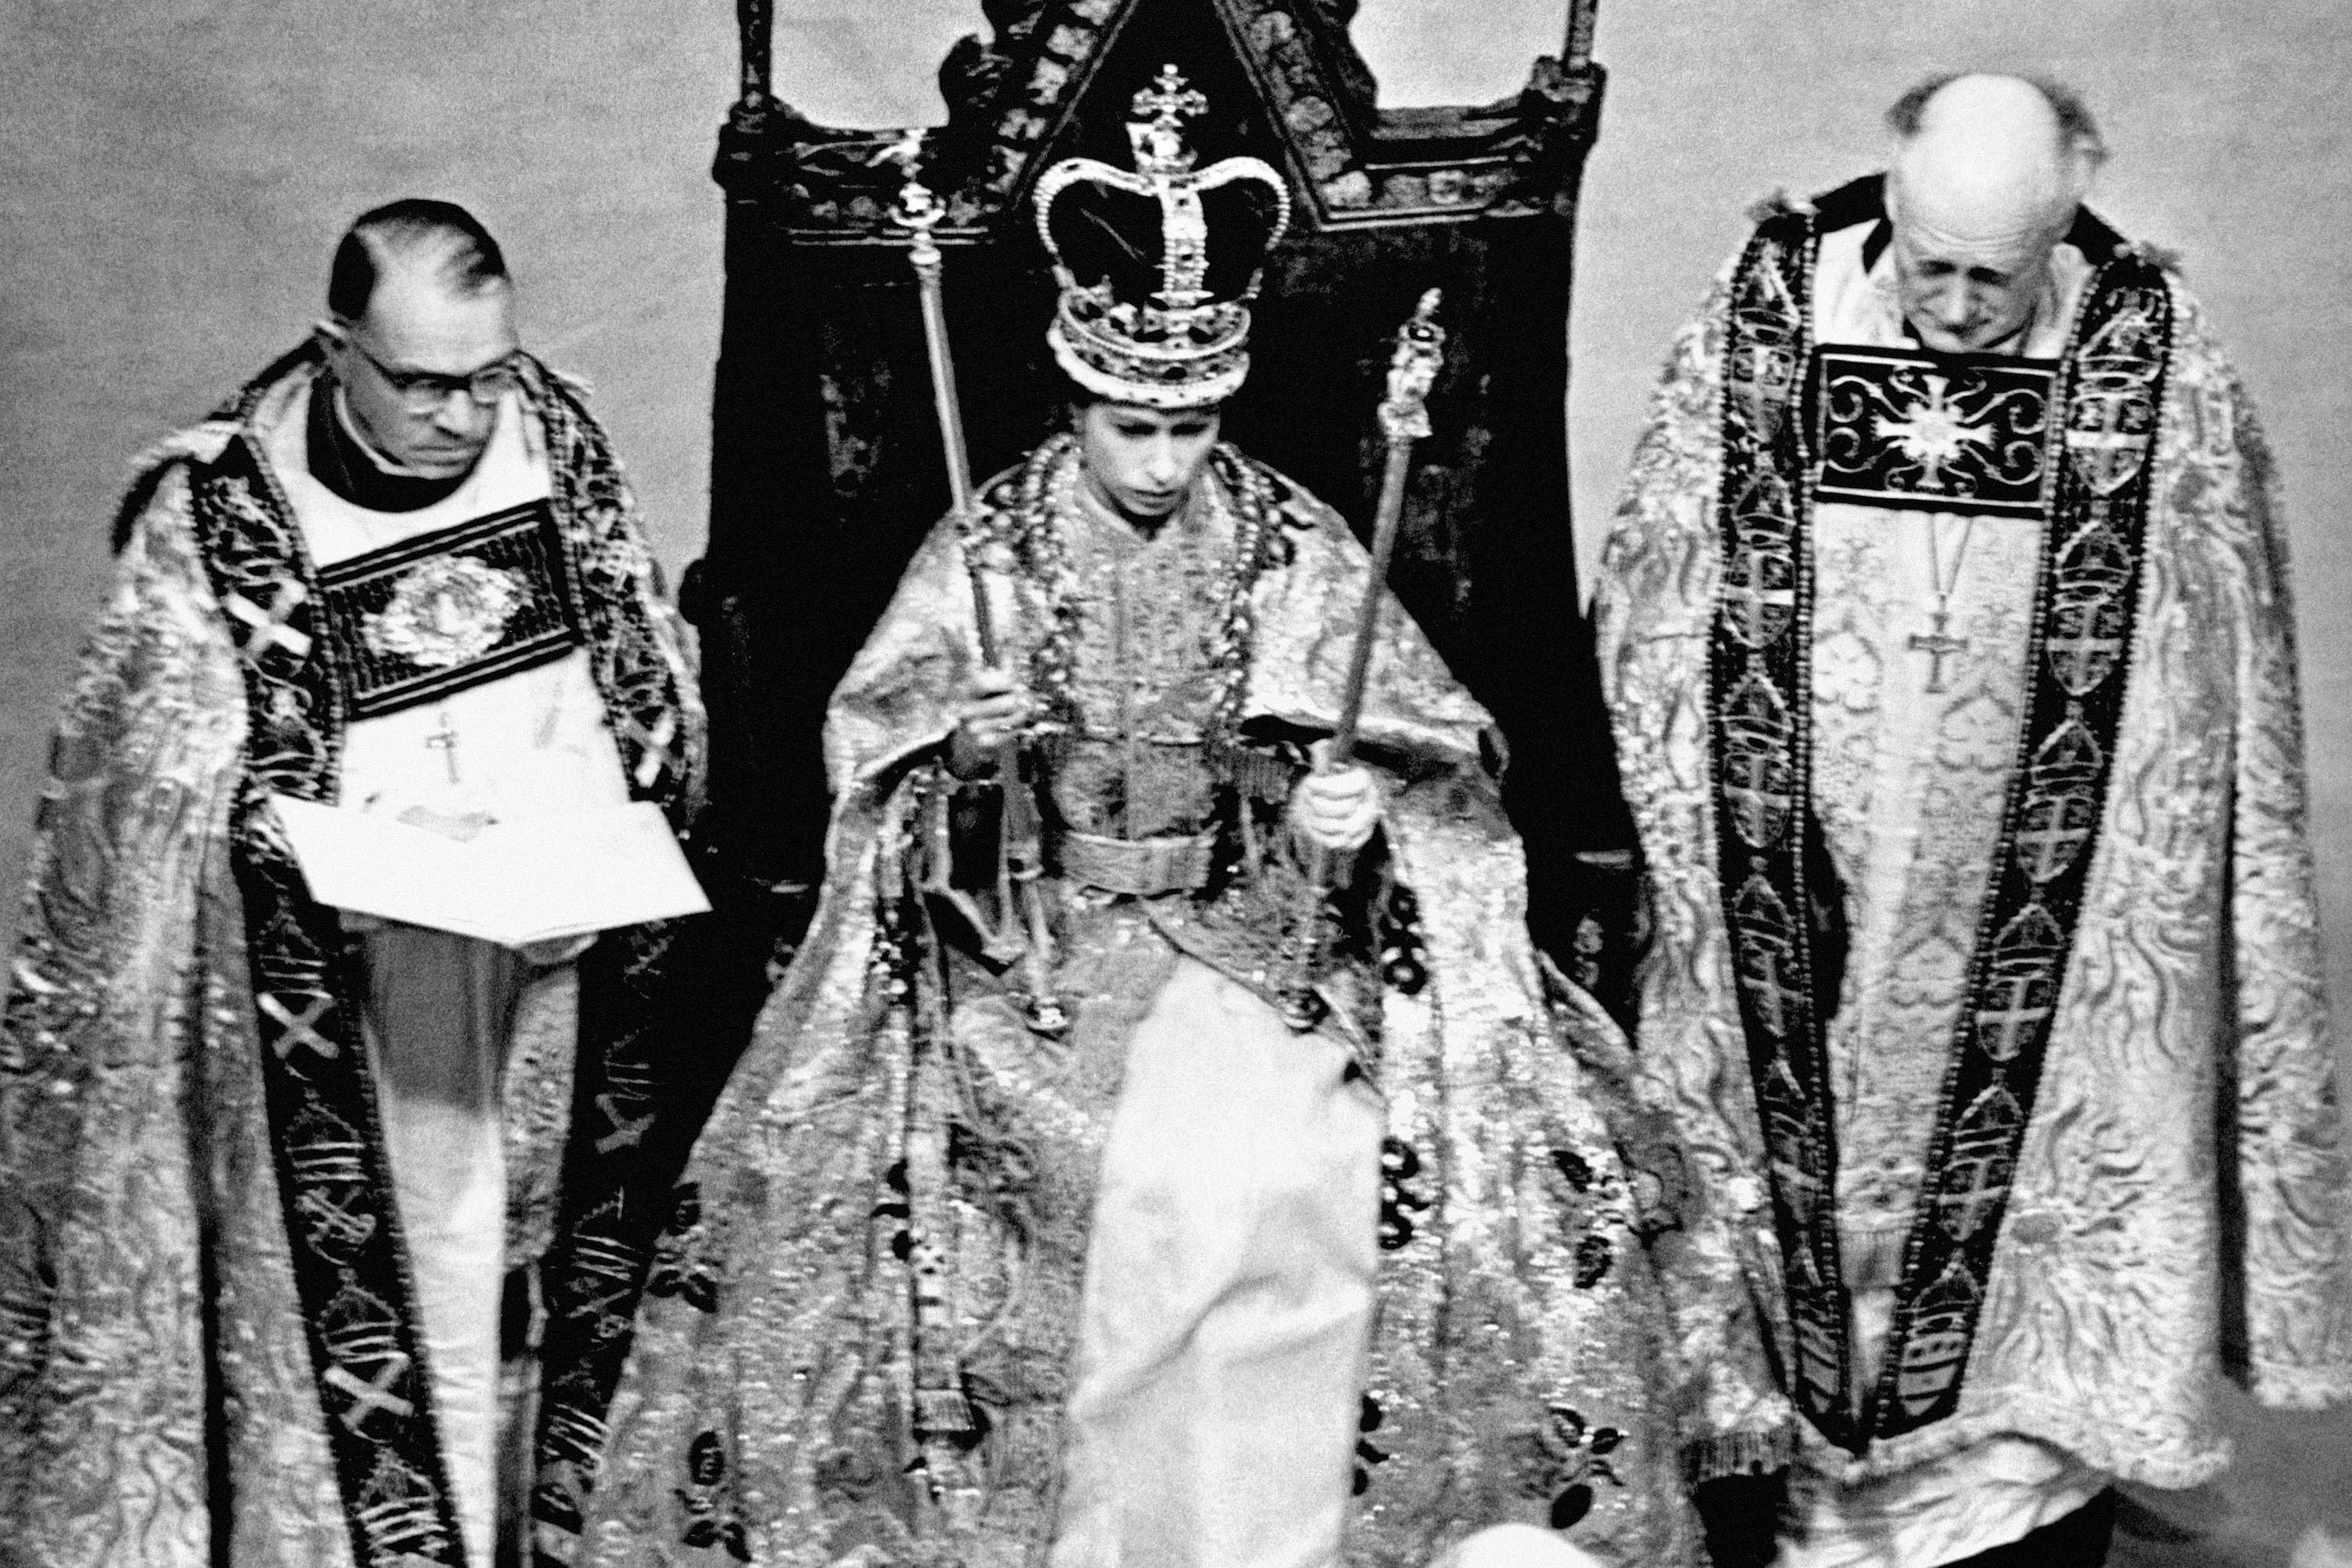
x: 143, y: 1252
x: 1521, y: 1349
x: 2196, y: 973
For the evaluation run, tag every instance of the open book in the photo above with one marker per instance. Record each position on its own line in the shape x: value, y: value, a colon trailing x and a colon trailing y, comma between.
x: 507, y: 882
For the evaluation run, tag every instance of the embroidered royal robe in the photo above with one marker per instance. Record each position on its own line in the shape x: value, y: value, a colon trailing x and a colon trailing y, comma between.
x: 2111, y: 1171
x: 209, y: 1345
x: 893, y: 1320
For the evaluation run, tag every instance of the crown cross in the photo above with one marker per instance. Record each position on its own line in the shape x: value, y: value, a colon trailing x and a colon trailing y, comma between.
x: 1159, y: 144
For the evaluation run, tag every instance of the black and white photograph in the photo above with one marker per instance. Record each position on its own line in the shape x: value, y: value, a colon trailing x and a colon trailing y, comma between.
x: 1175, y: 784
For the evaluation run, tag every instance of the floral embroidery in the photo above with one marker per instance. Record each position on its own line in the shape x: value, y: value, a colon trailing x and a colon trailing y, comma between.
x: 1564, y: 1458
x: 681, y: 1267
x: 713, y: 1523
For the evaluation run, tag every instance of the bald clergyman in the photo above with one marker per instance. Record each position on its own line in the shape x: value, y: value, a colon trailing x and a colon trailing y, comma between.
x: 283, y: 1190
x: 1947, y: 633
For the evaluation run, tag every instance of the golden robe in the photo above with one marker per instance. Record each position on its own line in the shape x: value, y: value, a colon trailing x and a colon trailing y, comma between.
x: 875, y: 1336
x: 209, y: 1350
x: 2173, y: 1207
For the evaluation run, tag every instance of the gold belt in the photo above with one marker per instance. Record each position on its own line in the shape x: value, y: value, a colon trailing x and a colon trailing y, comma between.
x: 1144, y: 867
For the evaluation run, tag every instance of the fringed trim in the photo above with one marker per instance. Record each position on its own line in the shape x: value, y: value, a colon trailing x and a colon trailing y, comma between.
x: 1737, y: 1454
x: 1873, y: 1257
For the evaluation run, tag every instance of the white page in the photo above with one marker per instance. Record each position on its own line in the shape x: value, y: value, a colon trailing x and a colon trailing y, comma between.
x: 511, y: 883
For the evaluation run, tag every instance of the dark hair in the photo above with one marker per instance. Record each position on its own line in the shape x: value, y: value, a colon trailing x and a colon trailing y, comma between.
x: 468, y: 259
x: 2076, y: 127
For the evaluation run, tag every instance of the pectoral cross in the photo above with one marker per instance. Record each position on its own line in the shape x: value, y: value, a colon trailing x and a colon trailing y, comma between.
x: 444, y: 741
x: 1937, y: 645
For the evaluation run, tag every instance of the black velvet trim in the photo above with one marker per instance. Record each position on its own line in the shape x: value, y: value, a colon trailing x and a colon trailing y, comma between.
x: 349, y: 1260
x: 2098, y: 447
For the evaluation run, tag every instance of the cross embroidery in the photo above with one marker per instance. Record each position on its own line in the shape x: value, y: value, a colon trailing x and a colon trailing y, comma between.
x: 627, y: 1131
x: 268, y: 628
x: 301, y: 1031
x: 2045, y: 851
x: 332, y: 1222
x: 1771, y: 988
x: 1758, y: 808
x: 374, y: 1394
x: 1756, y: 611
x: 1969, y: 1202
x: 655, y: 743
x: 2007, y: 1025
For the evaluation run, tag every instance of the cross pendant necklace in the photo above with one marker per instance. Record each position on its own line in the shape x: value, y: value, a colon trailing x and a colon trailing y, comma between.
x: 444, y: 741
x: 1937, y: 642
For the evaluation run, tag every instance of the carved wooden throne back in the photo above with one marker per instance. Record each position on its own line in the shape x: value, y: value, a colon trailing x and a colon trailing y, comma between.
x: 828, y: 468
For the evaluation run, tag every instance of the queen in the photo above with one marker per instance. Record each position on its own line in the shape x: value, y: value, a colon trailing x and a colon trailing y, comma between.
x: 1040, y: 1222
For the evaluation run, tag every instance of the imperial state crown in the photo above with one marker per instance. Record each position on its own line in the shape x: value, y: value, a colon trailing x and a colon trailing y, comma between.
x: 1157, y: 265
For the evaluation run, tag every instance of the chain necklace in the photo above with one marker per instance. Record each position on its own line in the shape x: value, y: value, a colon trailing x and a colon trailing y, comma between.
x: 1030, y: 517
x: 1937, y: 642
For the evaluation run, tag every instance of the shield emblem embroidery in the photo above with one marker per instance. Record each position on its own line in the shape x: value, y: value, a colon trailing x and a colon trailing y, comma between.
x: 1766, y: 952
x: 2086, y: 612
x: 2023, y: 988
x: 1763, y: 372
x: 1936, y: 1346
x: 1983, y: 1164
x: 2052, y: 831
x: 1756, y: 764
x: 2109, y: 429
x: 1759, y: 594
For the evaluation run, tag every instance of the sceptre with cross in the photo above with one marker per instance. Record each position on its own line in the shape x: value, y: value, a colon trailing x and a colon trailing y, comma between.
x: 1027, y: 931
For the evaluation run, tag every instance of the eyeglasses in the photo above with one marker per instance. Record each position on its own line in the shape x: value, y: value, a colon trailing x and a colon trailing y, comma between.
x: 422, y: 391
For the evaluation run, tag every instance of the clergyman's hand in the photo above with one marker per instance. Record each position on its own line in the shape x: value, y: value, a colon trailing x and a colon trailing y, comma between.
x: 1336, y: 811
x: 990, y: 711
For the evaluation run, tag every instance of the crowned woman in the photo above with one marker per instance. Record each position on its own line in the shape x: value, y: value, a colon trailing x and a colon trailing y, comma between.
x: 1122, y: 1201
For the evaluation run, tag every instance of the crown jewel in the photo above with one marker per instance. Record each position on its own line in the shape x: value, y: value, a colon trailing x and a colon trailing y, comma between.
x: 1172, y: 340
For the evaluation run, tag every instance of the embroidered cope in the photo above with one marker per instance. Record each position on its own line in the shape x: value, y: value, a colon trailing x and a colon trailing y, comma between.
x: 224, y: 1340
x: 1986, y: 1197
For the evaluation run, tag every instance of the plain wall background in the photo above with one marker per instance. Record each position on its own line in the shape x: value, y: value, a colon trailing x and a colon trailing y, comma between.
x: 174, y: 174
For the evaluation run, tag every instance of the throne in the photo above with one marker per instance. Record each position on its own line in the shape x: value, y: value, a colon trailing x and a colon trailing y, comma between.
x: 828, y: 468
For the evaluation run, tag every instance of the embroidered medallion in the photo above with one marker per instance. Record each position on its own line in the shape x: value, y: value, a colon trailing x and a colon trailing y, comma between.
x: 1895, y: 428
x: 444, y: 612
x: 2067, y: 444
x: 448, y: 610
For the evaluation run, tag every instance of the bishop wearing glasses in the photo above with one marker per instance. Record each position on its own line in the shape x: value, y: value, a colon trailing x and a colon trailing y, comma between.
x: 277, y: 1164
